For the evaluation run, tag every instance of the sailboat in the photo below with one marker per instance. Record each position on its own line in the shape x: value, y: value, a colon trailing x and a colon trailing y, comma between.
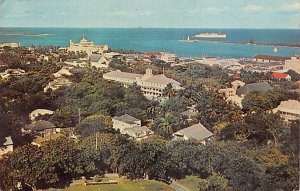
x: 188, y: 38
x: 275, y: 49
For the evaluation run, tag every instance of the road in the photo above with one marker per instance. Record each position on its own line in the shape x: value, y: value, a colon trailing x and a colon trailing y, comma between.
x: 178, y: 187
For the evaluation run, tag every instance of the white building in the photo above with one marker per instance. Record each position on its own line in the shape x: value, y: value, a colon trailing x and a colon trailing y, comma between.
x: 151, y: 85
x: 57, y: 83
x: 7, y: 146
x: 10, y: 44
x: 39, y: 112
x: 131, y: 126
x: 289, y: 110
x: 64, y: 71
x: 168, y: 57
x: 12, y: 72
x: 87, y: 46
x: 293, y: 64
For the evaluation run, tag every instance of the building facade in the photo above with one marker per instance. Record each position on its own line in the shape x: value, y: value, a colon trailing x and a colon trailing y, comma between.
x: 289, y: 110
x: 87, y: 46
x: 293, y: 64
x: 151, y: 85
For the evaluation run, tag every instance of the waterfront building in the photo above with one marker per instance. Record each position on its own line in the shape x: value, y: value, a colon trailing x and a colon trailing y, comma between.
x: 293, y: 64
x: 268, y: 58
x: 87, y: 46
x: 151, y: 85
x: 168, y: 57
x: 10, y: 44
x: 289, y: 110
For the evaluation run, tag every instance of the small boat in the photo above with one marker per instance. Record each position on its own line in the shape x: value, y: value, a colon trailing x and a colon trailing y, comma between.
x: 275, y: 49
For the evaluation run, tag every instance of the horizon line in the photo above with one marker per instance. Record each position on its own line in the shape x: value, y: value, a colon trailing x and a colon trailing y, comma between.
x: 148, y: 27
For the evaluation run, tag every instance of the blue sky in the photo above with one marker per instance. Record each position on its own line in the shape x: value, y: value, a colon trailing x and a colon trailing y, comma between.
x: 151, y: 13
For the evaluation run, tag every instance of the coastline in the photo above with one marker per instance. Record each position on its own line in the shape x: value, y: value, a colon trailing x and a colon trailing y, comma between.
x: 246, y: 43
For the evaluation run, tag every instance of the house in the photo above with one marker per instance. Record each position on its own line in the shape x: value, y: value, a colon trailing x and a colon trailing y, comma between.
x: 131, y: 126
x: 41, y: 128
x: 77, y: 62
x: 151, y: 85
x: 237, y: 83
x: 57, y: 83
x: 281, y: 76
x: 139, y: 132
x: 259, y: 86
x: 10, y: 44
x: 293, y: 64
x: 64, y: 71
x: 227, y: 92
x: 268, y: 58
x: 196, y: 131
x: 289, y: 110
x: 39, y: 112
x: 125, y: 121
x: 237, y: 100
x: 8, y: 146
x: 190, y: 112
x: 99, y: 61
x: 12, y: 72
x: 87, y: 46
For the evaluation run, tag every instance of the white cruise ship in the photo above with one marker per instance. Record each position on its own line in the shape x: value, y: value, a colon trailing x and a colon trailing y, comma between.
x: 210, y: 35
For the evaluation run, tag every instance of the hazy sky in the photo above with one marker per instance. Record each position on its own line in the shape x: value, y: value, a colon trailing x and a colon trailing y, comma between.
x: 151, y: 13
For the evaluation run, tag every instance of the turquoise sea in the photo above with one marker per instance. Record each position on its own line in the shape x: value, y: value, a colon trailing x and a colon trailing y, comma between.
x: 158, y: 39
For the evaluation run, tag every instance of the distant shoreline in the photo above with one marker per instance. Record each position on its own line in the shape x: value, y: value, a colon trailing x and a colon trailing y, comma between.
x: 247, y: 43
x: 20, y: 34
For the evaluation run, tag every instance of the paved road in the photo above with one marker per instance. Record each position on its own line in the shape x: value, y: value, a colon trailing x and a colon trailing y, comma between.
x: 178, y: 187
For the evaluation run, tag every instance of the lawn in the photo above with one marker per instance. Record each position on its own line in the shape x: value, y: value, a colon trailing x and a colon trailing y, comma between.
x: 190, y: 182
x: 124, y: 185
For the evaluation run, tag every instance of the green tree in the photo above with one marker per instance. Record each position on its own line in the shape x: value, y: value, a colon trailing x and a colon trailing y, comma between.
x: 215, y: 182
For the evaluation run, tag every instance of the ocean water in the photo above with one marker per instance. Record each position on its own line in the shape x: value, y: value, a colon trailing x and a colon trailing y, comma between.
x: 147, y: 39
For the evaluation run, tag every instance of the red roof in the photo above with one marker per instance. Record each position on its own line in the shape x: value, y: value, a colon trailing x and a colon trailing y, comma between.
x: 279, y: 76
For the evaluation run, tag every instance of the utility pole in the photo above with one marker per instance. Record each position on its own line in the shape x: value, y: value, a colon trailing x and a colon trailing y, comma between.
x: 79, y: 116
x: 96, y: 141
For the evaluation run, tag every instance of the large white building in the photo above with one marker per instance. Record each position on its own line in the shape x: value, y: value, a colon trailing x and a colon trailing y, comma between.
x: 293, y: 64
x: 87, y: 46
x: 151, y: 85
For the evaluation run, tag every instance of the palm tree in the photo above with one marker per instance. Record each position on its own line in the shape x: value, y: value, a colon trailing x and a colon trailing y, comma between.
x: 169, y: 91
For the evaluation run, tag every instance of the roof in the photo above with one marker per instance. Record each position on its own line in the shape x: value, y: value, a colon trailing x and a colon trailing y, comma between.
x: 8, y: 141
x: 60, y: 82
x: 41, y: 112
x: 196, y: 131
x: 270, y: 57
x: 95, y: 57
x: 126, y: 119
x: 120, y: 74
x: 290, y: 104
x: 40, y: 125
x: 277, y: 75
x: 161, y: 79
x: 259, y: 86
x: 152, y: 53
